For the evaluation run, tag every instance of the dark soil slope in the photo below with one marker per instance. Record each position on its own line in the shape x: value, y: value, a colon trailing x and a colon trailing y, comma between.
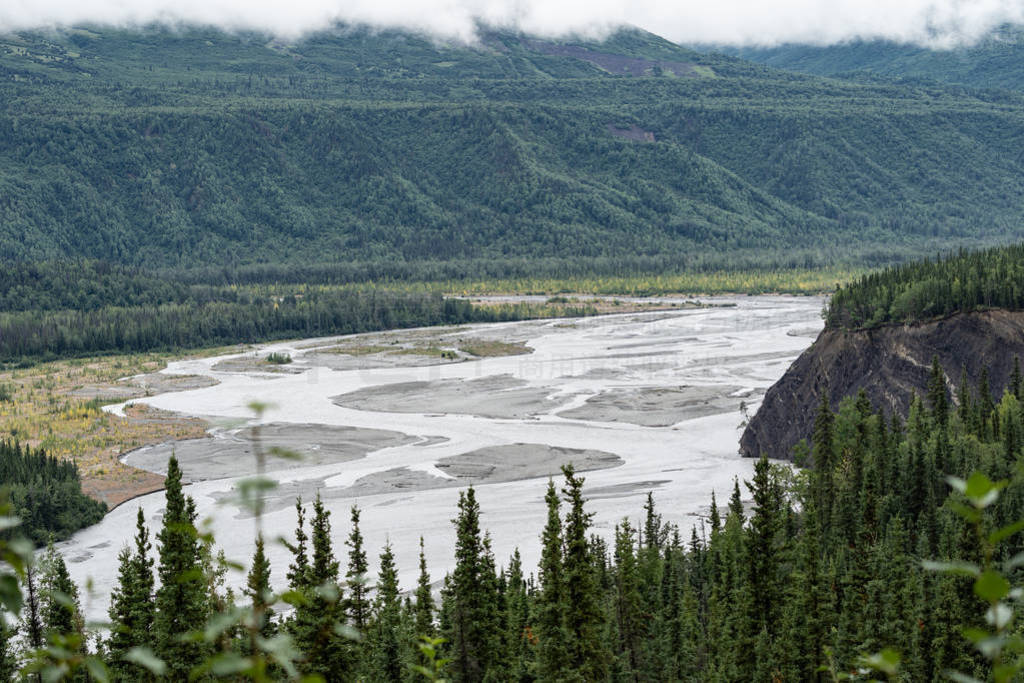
x: 890, y: 363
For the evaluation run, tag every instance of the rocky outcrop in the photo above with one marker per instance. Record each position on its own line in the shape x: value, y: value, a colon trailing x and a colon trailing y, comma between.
x: 890, y: 364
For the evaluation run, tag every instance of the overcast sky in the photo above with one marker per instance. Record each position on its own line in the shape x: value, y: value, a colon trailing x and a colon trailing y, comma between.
x: 751, y: 22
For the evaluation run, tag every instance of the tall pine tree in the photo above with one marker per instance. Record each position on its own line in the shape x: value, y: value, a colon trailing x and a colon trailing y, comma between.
x: 132, y: 610
x: 181, y: 600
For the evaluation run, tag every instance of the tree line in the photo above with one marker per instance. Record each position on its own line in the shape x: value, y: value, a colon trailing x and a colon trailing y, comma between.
x: 249, y: 316
x: 931, y: 288
x: 45, y: 493
x: 805, y: 575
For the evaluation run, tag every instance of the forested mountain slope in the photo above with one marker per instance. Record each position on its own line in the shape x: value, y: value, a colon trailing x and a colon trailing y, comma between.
x: 197, y: 147
x: 883, y: 332
x: 994, y: 62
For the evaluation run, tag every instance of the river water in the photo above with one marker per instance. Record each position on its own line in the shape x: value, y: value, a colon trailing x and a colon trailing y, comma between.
x: 651, y: 401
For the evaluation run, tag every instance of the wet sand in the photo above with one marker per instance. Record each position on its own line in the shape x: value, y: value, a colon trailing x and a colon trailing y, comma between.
x: 512, y: 462
x: 655, y: 407
x: 502, y: 396
x: 231, y: 453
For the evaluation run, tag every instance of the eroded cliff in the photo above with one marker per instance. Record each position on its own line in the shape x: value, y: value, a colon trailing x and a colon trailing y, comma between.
x: 890, y: 363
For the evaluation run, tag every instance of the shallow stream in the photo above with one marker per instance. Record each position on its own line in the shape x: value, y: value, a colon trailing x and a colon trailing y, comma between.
x: 643, y: 402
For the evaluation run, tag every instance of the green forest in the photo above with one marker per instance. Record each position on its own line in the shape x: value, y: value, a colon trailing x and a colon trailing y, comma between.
x: 45, y: 493
x: 245, y: 316
x: 165, y: 189
x: 192, y: 148
x: 931, y: 288
x: 892, y: 556
x: 992, y: 62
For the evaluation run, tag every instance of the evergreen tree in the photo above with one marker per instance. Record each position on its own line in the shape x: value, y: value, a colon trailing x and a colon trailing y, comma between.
x: 470, y: 629
x: 358, y: 605
x: 551, y: 605
x: 823, y: 452
x: 736, y: 503
x: 298, y: 570
x: 132, y: 610
x: 763, y: 547
x: 714, y: 518
x: 519, y: 641
x: 60, y: 610
x: 937, y: 398
x: 584, y: 619
x: 632, y: 624
x: 1016, y: 380
x: 388, y: 652
x: 181, y: 600
x: 965, y: 407
x: 424, y: 622
x: 32, y: 620
x: 315, y: 624
x: 258, y: 590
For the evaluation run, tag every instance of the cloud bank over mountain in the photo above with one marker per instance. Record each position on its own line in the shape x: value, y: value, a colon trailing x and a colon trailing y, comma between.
x: 740, y: 22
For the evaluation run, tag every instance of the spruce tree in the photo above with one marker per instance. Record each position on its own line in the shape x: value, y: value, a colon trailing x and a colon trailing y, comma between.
x: 319, y: 615
x: 519, y: 640
x: 629, y: 605
x: 387, y: 637
x: 585, y: 617
x: 736, y: 503
x: 358, y: 605
x: 60, y: 611
x: 823, y: 452
x: 471, y: 631
x: 937, y: 398
x: 132, y: 609
x: 258, y: 590
x: 32, y: 621
x: 714, y: 519
x: 965, y: 407
x: 986, y: 407
x: 551, y: 605
x: 181, y: 600
x: 1016, y: 380
x: 424, y: 622
x: 763, y: 547
x: 298, y: 570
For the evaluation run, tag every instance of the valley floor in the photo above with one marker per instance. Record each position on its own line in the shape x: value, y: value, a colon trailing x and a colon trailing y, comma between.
x: 398, y: 422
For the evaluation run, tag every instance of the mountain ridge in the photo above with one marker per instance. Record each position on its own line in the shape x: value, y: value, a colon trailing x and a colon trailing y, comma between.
x: 173, y: 149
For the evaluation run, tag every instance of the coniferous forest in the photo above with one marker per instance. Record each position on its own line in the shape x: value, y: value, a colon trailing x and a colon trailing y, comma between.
x: 892, y: 556
x: 197, y: 147
x: 931, y: 288
x: 45, y: 493
x: 174, y: 189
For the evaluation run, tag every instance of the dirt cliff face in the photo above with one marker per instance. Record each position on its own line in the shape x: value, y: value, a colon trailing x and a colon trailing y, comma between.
x: 890, y: 363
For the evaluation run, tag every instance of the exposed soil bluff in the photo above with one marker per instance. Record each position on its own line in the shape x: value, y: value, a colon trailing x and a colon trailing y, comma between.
x: 890, y: 364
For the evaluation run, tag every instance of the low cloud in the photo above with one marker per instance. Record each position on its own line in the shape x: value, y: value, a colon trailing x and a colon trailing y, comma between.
x: 740, y: 22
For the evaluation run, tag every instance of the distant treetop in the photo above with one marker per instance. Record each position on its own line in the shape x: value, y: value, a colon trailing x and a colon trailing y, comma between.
x: 924, y: 290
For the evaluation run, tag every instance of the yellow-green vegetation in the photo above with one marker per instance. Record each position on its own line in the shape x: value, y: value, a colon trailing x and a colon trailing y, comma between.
x: 484, y: 348
x: 796, y: 281
x: 360, y: 349
x: 44, y: 410
x: 430, y: 351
